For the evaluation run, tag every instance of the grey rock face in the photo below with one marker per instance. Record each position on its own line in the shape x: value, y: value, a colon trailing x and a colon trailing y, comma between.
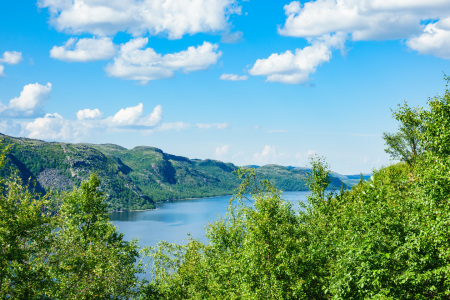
x: 53, y: 179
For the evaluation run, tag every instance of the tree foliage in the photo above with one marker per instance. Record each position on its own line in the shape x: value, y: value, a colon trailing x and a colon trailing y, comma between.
x: 386, y: 238
x: 406, y: 144
x: 65, y: 251
x: 91, y: 259
x: 25, y: 240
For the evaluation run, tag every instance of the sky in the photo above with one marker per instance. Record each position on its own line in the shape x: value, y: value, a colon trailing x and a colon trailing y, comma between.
x: 247, y: 82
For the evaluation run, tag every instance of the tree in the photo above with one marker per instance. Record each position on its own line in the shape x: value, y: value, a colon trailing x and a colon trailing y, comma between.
x: 318, y: 179
x: 406, y: 144
x: 91, y: 260
x: 253, y: 252
x: 436, y: 124
x: 26, y: 234
x: 67, y: 252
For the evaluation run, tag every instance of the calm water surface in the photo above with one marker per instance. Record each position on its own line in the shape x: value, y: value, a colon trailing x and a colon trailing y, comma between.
x: 173, y: 220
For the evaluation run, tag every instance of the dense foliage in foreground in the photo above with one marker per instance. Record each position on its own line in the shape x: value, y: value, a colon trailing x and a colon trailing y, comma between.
x: 62, y: 246
x: 387, y: 238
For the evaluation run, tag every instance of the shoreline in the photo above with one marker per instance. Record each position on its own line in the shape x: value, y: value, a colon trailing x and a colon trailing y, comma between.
x: 149, y: 209
x: 195, y: 198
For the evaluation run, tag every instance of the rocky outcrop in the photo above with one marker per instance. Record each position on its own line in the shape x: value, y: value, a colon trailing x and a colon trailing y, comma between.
x: 53, y: 179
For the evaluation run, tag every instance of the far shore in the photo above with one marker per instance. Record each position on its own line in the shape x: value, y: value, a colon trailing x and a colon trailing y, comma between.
x: 136, y: 210
x: 195, y: 198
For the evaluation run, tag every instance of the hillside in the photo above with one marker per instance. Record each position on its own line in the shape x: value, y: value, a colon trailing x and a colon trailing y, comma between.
x: 136, y: 178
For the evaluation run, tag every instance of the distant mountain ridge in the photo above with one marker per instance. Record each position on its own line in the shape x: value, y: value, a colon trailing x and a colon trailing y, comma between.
x: 137, y: 178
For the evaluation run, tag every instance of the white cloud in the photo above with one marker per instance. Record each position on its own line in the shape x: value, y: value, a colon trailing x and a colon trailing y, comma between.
x: 89, y: 122
x: 435, y: 39
x: 127, y: 116
x: 53, y: 127
x: 172, y: 17
x: 268, y: 155
x: 84, y: 50
x: 223, y: 126
x: 213, y: 125
x: 11, y: 57
x: 132, y: 116
x: 233, y: 77
x: 135, y: 63
x: 295, y: 68
x: 86, y: 114
x: 174, y: 126
x: 222, y: 151
x: 373, y: 20
x: 29, y: 103
x: 154, y: 118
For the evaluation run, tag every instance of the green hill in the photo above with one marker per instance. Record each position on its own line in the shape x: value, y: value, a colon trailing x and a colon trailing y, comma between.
x: 136, y: 178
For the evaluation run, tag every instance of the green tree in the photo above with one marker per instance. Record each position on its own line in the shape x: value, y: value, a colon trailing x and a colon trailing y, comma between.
x: 406, y: 144
x: 436, y: 124
x: 253, y: 252
x: 318, y: 179
x: 25, y: 240
x: 91, y: 260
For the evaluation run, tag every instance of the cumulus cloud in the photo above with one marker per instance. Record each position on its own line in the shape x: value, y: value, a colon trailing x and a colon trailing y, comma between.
x: 295, y: 68
x: 328, y: 24
x: 373, y: 20
x: 11, y: 57
x: 154, y: 118
x: 435, y: 39
x: 127, y: 116
x: 134, y: 62
x: 52, y: 127
x: 90, y: 122
x: 84, y: 50
x: 233, y: 77
x: 30, y: 102
x: 86, y: 114
x: 132, y: 116
x: 173, y: 18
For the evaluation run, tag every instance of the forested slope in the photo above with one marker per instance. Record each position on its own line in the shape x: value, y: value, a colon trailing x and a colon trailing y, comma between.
x: 135, y: 178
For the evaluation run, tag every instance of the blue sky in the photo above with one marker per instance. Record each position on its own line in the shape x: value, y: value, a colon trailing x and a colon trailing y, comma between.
x: 248, y: 82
